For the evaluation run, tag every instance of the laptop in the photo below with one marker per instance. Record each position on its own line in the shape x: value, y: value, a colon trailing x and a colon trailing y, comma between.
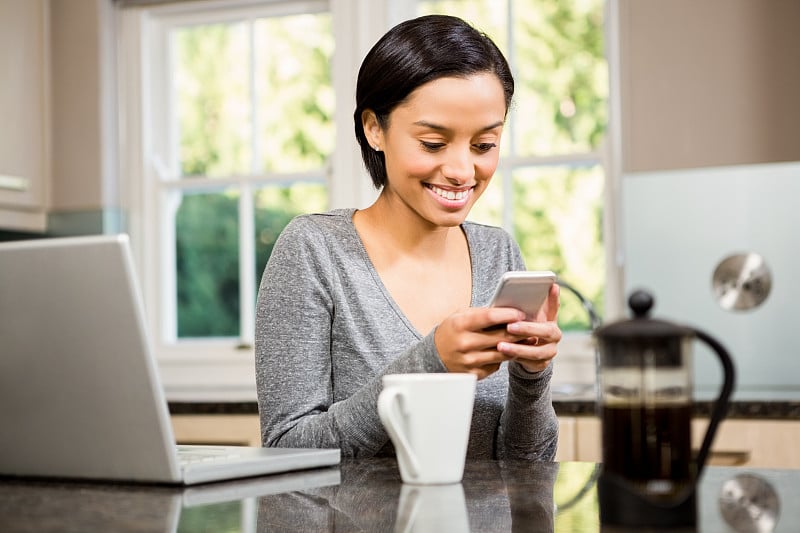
x: 80, y: 394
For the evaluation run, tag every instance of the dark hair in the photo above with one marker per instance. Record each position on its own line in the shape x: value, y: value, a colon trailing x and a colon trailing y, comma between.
x: 411, y: 54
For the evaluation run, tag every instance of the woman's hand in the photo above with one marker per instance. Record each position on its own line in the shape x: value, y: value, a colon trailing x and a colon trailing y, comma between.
x: 478, y: 340
x: 467, y: 340
x: 539, y: 339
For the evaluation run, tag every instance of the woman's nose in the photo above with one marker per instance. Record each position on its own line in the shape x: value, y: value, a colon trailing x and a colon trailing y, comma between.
x: 459, y: 166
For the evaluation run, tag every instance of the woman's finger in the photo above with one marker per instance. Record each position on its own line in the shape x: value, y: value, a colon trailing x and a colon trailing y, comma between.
x: 549, y: 311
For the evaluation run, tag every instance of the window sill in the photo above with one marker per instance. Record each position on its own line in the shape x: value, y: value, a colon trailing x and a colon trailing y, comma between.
x: 204, y: 377
x: 208, y: 379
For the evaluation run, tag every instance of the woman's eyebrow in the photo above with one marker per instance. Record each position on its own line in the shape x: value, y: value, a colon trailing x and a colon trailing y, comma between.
x: 439, y: 127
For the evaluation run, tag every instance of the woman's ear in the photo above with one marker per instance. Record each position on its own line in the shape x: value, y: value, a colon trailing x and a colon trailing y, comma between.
x: 372, y: 129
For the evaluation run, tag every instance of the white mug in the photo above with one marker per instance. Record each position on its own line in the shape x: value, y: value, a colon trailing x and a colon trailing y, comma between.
x: 428, y: 417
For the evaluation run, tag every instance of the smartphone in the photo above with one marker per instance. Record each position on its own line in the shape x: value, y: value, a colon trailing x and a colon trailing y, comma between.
x: 525, y: 290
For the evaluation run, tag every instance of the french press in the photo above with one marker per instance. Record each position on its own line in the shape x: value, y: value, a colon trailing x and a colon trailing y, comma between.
x: 648, y: 475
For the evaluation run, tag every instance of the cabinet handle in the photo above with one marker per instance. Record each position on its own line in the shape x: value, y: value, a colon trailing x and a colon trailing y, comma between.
x: 13, y: 183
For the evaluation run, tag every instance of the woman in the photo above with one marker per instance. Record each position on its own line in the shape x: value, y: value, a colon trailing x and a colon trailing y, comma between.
x: 350, y: 295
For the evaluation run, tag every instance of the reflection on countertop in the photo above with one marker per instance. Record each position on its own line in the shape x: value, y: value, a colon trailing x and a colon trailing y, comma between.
x: 368, y: 495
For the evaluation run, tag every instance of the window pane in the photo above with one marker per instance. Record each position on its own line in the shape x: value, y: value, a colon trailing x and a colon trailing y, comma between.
x: 275, y: 207
x: 296, y: 99
x: 561, y: 76
x: 207, y: 265
x: 558, y: 219
x: 212, y: 99
x: 488, y: 16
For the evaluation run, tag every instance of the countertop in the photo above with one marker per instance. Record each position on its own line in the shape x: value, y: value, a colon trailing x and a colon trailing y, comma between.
x: 359, y: 495
x: 568, y: 400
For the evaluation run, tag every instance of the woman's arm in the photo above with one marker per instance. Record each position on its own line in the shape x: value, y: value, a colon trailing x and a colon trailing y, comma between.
x: 528, y: 426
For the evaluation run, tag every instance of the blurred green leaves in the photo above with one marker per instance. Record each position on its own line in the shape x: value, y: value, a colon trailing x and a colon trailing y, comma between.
x: 255, y: 102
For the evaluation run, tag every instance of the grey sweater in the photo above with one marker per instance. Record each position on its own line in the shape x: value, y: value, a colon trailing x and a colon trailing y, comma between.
x: 327, y: 330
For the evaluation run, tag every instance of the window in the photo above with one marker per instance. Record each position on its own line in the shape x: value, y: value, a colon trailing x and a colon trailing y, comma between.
x: 253, y: 115
x: 237, y: 116
x: 548, y: 191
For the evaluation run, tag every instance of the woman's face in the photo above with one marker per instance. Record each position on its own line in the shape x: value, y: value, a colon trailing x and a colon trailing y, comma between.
x: 441, y: 146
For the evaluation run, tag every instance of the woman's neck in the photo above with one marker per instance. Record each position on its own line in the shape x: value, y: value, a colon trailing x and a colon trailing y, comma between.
x: 403, y: 230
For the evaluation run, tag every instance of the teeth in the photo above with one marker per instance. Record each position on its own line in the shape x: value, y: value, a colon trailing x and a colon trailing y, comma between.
x: 450, y: 195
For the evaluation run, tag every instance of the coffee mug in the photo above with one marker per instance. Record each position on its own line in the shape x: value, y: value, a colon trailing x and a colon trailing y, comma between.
x: 428, y: 417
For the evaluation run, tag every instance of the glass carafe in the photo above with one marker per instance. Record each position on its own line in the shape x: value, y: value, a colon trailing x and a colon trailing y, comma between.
x: 649, y: 474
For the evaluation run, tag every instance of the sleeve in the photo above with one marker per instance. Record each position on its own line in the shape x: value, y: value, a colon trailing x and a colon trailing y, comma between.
x: 528, y: 426
x: 294, y: 379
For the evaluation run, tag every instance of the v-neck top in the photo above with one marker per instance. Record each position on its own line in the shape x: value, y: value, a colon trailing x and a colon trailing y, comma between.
x: 327, y: 330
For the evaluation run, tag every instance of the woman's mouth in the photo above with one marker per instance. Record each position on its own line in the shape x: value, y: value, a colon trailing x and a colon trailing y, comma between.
x: 450, y: 198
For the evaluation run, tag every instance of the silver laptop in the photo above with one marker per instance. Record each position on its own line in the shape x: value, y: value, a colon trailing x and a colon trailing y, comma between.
x: 80, y: 395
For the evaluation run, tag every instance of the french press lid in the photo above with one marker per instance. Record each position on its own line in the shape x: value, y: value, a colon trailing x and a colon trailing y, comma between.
x: 624, y: 340
x: 641, y: 325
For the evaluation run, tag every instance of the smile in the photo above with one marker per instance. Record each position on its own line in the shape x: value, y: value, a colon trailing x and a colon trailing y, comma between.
x: 449, y: 195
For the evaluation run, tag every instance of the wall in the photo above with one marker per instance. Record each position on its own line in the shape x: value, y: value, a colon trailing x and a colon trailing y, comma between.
x: 85, y: 190
x: 709, y: 83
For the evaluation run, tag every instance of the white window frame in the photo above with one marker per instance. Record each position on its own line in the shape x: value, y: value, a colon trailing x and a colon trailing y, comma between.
x: 217, y: 369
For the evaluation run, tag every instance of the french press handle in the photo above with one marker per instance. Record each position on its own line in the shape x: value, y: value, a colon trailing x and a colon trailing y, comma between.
x: 721, y: 404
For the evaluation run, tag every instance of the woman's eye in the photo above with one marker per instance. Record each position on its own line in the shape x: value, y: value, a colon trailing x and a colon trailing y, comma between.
x: 431, y: 147
x: 484, y: 147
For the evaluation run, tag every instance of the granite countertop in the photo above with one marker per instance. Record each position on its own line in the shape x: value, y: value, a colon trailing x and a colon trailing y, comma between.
x: 568, y: 400
x: 367, y: 495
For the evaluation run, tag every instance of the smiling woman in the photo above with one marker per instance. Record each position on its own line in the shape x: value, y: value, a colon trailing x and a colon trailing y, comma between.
x: 402, y: 286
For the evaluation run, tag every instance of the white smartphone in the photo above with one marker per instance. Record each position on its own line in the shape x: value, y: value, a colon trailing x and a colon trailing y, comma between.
x: 525, y: 290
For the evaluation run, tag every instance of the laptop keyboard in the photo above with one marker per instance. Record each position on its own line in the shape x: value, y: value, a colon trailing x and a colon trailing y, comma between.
x: 205, y: 455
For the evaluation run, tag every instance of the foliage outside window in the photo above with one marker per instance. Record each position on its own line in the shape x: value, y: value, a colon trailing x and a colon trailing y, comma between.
x: 254, y: 108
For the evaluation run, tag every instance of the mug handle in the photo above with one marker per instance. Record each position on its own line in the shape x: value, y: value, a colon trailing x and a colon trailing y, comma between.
x: 389, y: 411
x: 721, y: 404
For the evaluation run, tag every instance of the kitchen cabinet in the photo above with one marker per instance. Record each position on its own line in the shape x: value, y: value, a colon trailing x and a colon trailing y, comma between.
x: 244, y: 429
x: 220, y: 429
x: 754, y: 443
x: 24, y: 145
x: 566, y: 439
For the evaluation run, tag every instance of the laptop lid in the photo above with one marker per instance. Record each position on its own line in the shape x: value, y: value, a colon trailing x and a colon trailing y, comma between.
x: 79, y: 392
x: 80, y: 395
